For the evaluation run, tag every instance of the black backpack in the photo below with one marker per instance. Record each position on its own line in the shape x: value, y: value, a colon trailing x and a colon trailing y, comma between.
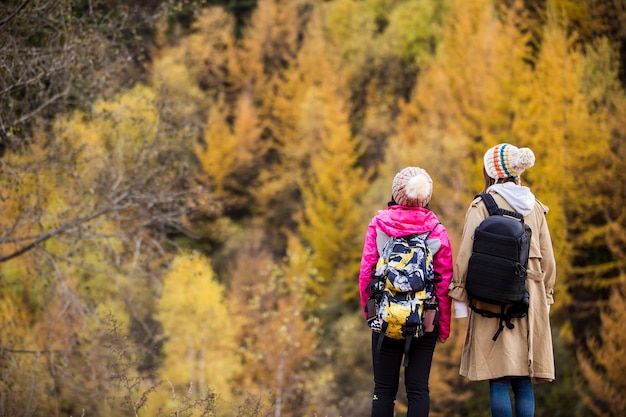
x: 496, y: 272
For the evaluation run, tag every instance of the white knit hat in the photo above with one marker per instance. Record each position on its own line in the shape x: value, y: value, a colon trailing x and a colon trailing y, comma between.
x: 506, y: 161
x: 412, y: 187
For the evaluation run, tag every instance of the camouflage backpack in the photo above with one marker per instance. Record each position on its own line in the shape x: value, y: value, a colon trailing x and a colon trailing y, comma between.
x: 402, y: 303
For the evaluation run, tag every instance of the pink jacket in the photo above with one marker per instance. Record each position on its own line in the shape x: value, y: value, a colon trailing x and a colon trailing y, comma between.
x: 400, y: 221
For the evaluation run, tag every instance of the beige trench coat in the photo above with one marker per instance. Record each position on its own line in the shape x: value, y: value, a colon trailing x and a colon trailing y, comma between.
x: 527, y: 349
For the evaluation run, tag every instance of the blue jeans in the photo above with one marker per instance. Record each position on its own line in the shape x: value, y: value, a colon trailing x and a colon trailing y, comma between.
x: 387, y: 364
x: 501, y: 400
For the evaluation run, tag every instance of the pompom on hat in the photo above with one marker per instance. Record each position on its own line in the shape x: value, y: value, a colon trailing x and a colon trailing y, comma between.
x: 507, y: 161
x: 412, y: 187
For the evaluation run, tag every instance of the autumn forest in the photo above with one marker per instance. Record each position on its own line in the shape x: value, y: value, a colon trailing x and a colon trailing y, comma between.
x: 185, y: 187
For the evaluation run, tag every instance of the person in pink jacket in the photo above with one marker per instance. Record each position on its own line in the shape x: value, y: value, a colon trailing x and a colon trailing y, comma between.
x: 407, y: 213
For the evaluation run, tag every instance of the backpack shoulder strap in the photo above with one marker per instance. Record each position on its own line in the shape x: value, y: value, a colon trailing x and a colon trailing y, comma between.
x: 493, y: 209
x: 490, y: 203
x: 381, y: 239
x: 432, y: 230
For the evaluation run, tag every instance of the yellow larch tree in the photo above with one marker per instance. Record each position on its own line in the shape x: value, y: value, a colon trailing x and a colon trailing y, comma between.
x: 229, y: 154
x: 603, y: 364
x: 613, y: 232
x: 332, y: 222
x: 349, y: 28
x: 598, y: 236
x: 270, y: 43
x: 177, y: 76
x: 199, y: 329
x: 209, y: 54
x: 278, y: 77
x: 277, y: 197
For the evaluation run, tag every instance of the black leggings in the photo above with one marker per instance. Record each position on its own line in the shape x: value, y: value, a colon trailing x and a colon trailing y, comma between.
x: 387, y: 363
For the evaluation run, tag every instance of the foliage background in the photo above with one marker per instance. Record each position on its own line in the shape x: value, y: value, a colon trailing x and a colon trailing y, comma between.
x: 185, y: 187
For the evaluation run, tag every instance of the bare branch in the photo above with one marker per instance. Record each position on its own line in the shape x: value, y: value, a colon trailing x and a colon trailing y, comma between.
x: 15, y: 12
x: 43, y: 105
x: 45, y: 236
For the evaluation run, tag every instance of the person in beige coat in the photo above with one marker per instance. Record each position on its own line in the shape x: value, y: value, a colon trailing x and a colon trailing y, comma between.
x: 522, y: 355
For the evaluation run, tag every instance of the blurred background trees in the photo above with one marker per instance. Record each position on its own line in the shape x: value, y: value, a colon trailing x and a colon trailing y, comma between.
x: 185, y: 187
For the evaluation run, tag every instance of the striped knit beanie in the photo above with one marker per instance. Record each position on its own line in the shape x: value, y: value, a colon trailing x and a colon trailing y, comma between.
x: 506, y: 161
x: 412, y: 187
